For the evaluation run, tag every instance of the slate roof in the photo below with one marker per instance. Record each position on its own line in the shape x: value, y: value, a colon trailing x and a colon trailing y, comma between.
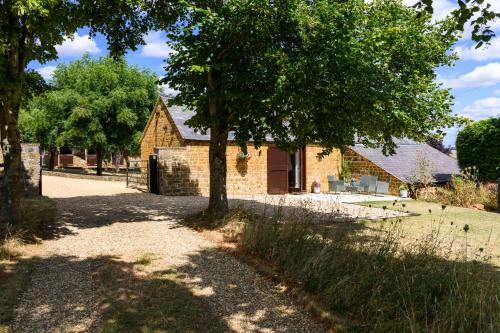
x: 181, y: 114
x: 404, y: 164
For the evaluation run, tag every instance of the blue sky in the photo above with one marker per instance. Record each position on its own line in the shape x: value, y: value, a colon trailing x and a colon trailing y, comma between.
x: 474, y: 80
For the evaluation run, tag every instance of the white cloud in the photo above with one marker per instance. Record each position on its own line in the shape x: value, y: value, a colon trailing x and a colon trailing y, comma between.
x: 496, y: 92
x: 441, y: 7
x: 156, y: 46
x: 76, y: 46
x: 483, y: 108
x: 481, y: 76
x: 166, y: 90
x: 486, y: 52
x: 46, y: 72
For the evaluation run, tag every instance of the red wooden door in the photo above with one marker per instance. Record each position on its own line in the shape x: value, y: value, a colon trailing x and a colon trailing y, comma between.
x: 277, y: 171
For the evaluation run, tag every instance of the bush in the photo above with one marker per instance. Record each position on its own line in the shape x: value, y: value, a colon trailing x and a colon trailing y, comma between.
x: 379, y: 284
x: 465, y: 191
x: 478, y: 144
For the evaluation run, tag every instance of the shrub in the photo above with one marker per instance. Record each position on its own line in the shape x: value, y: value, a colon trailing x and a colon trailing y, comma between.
x: 465, y: 191
x: 478, y: 144
x: 379, y: 284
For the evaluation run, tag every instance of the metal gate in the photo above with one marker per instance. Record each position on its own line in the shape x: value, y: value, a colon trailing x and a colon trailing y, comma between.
x: 137, y: 175
x: 143, y: 175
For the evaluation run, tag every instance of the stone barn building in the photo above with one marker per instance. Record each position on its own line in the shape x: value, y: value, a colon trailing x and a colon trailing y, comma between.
x: 184, y: 170
x: 184, y: 167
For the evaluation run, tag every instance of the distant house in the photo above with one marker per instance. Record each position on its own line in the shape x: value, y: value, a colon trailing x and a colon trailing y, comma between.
x: 405, y: 166
x: 184, y: 168
x: 67, y: 156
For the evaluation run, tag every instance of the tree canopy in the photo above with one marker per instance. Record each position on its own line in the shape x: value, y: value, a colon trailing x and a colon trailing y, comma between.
x: 325, y: 71
x: 478, y: 145
x: 100, y: 104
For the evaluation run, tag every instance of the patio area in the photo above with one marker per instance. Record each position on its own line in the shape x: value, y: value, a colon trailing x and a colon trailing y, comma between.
x: 350, y: 197
x: 323, y: 207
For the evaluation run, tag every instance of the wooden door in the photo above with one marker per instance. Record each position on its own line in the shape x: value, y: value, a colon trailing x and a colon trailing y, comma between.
x: 277, y: 171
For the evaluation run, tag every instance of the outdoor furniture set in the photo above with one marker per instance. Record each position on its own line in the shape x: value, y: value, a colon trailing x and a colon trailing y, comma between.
x: 367, y: 184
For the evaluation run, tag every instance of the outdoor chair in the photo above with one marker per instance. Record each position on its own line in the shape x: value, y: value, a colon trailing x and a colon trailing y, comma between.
x: 382, y: 187
x: 335, y: 185
x: 368, y: 184
x: 331, y: 179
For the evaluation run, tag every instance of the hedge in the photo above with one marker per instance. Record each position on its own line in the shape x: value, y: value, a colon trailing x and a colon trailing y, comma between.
x: 478, y: 144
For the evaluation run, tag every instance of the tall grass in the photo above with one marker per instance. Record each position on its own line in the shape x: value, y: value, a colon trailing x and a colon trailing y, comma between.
x: 378, y: 283
x: 37, y: 217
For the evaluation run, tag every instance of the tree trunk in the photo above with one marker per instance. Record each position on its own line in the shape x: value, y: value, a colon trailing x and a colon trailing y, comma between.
x: 10, y: 140
x: 52, y: 158
x: 218, y: 205
x: 99, y: 157
x: 11, y: 148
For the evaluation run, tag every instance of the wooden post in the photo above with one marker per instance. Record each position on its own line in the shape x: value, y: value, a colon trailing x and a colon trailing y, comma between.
x: 498, y: 195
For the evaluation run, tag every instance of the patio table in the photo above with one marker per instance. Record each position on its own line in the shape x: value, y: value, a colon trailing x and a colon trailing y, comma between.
x: 352, y: 188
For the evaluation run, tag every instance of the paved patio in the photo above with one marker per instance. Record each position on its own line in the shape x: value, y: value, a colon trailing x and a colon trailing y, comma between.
x: 346, y: 197
x: 322, y: 207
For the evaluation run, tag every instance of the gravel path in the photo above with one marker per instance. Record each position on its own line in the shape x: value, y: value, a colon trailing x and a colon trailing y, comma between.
x: 105, y: 221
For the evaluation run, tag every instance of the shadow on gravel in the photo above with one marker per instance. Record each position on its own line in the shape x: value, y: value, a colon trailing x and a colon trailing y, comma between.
x: 105, y: 294
x: 96, y: 211
x: 119, y: 298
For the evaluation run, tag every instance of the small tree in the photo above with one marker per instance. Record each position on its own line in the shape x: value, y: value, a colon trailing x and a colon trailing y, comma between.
x: 107, y: 104
x: 422, y: 175
x: 478, y: 145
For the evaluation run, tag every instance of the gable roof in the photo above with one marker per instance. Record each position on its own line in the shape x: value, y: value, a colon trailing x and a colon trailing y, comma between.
x: 181, y: 114
x: 405, y: 162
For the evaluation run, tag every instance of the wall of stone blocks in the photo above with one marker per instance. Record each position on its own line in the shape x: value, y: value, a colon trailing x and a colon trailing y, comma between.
x: 321, y: 168
x: 159, y: 132
x: 30, y: 176
x: 361, y: 166
x: 185, y: 170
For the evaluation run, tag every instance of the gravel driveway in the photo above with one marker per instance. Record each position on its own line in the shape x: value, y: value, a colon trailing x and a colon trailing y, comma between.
x: 105, y: 220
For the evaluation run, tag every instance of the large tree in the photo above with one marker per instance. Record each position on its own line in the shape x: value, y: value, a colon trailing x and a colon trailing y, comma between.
x: 321, y: 71
x: 42, y: 120
x: 106, y: 103
x: 29, y: 31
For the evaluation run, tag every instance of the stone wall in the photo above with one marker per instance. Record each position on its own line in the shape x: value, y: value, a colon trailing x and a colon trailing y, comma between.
x: 30, y: 176
x: 159, y: 132
x: 321, y: 168
x: 361, y: 166
x: 185, y: 170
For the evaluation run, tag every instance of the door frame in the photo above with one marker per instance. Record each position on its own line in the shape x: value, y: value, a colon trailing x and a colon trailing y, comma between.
x: 302, y: 172
x: 303, y: 168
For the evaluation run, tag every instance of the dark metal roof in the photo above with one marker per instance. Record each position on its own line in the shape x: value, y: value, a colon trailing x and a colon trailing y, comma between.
x: 406, y: 162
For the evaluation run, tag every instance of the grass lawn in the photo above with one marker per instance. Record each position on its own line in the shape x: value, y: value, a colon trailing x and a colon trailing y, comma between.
x: 483, y: 233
